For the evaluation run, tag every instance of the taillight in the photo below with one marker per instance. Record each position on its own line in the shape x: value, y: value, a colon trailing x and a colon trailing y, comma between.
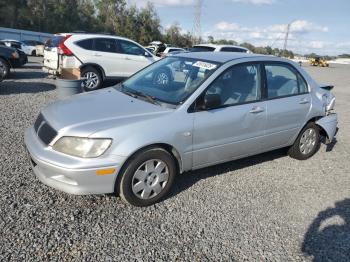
x: 63, y: 49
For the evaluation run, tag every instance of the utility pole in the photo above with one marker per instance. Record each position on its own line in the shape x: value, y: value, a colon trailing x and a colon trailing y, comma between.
x: 286, y: 38
x: 197, y: 28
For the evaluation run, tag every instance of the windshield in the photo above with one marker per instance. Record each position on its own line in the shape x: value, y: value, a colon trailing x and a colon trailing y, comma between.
x: 171, y: 80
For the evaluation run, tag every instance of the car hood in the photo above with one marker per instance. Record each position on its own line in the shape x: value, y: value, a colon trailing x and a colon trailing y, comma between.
x: 90, y: 112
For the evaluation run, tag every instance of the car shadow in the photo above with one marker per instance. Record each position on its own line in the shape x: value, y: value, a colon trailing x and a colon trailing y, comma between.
x: 12, y: 87
x: 330, y: 146
x: 32, y: 66
x: 27, y: 75
x: 328, y: 237
x: 188, y: 179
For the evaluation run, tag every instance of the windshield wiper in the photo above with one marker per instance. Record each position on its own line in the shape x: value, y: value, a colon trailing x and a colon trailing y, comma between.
x: 136, y: 94
x: 149, y: 98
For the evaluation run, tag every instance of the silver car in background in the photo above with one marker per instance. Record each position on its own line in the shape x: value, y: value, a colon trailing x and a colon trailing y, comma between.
x: 208, y: 108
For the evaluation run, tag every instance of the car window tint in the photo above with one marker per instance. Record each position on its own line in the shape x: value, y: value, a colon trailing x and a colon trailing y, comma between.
x: 130, y: 48
x: 202, y: 49
x: 239, y: 84
x: 106, y: 45
x: 233, y: 49
x: 281, y: 81
x: 86, y: 44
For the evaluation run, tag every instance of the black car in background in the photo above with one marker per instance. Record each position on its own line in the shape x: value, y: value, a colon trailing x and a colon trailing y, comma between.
x: 11, y: 58
x: 22, y: 56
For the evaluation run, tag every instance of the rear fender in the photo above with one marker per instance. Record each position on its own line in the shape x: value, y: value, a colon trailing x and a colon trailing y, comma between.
x: 329, y: 125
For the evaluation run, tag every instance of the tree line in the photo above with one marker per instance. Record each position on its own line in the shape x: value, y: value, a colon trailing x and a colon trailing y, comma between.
x: 104, y: 16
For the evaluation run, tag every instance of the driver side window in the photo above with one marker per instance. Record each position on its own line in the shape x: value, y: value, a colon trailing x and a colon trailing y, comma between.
x: 237, y: 85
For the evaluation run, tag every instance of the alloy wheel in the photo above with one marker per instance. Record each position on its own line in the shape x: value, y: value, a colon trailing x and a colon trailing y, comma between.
x: 92, y: 80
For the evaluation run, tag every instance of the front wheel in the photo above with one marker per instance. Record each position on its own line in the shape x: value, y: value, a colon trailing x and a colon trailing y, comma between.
x: 307, y: 143
x: 147, y: 177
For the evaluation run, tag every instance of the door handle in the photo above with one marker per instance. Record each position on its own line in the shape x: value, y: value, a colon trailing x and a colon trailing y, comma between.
x: 97, y: 54
x: 127, y: 58
x: 304, y: 101
x: 256, y: 110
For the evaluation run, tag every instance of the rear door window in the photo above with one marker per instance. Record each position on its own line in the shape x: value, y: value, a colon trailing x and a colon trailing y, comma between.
x: 283, y: 80
x: 86, y: 44
x: 108, y: 45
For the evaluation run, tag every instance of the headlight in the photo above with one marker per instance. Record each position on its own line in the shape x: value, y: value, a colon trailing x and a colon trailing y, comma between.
x: 82, y: 146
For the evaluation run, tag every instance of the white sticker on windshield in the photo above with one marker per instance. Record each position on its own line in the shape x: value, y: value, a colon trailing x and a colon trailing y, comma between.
x: 204, y: 65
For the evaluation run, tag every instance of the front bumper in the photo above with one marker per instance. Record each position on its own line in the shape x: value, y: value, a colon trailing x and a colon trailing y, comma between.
x: 70, y: 174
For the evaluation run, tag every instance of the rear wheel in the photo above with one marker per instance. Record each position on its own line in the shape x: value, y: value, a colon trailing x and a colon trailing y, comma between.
x: 93, y: 79
x: 307, y: 143
x: 4, y: 69
x: 34, y: 53
x: 147, y: 177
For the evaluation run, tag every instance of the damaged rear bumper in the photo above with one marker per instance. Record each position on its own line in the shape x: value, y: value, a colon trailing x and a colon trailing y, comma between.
x: 329, y: 125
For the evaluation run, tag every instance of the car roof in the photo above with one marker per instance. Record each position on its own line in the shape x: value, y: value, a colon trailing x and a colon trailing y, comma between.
x: 96, y: 35
x: 223, y: 57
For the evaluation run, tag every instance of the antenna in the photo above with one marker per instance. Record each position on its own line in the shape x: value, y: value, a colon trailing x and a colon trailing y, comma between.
x: 197, y: 28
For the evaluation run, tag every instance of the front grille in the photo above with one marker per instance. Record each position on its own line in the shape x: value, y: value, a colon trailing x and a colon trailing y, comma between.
x: 44, y: 131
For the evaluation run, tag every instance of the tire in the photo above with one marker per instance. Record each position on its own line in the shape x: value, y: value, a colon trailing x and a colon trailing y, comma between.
x: 5, y: 68
x: 140, y: 179
x: 94, y: 78
x: 307, y: 143
x: 162, y: 77
x: 34, y: 53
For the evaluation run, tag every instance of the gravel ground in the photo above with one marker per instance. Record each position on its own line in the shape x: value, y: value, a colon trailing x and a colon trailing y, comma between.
x: 268, y: 207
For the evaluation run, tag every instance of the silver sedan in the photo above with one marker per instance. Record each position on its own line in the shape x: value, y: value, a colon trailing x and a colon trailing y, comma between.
x: 181, y: 113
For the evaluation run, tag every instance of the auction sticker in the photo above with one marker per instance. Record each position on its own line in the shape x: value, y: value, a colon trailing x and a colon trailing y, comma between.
x: 204, y: 65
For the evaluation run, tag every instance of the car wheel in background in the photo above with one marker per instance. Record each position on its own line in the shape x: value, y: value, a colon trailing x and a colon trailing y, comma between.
x: 307, y: 143
x: 4, y: 69
x: 33, y: 53
x: 162, y: 77
x: 147, y: 178
x: 93, y: 79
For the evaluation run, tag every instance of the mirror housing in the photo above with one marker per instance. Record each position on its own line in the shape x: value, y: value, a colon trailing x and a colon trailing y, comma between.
x: 212, y: 101
x: 146, y: 54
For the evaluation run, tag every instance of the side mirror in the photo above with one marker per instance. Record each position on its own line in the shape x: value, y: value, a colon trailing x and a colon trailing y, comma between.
x: 212, y: 101
x: 146, y: 54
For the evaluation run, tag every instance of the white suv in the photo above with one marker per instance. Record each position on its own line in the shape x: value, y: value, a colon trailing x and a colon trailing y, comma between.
x: 101, y: 57
x: 219, y: 48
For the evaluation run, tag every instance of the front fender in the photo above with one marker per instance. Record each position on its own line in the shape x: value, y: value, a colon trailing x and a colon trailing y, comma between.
x: 329, y: 125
